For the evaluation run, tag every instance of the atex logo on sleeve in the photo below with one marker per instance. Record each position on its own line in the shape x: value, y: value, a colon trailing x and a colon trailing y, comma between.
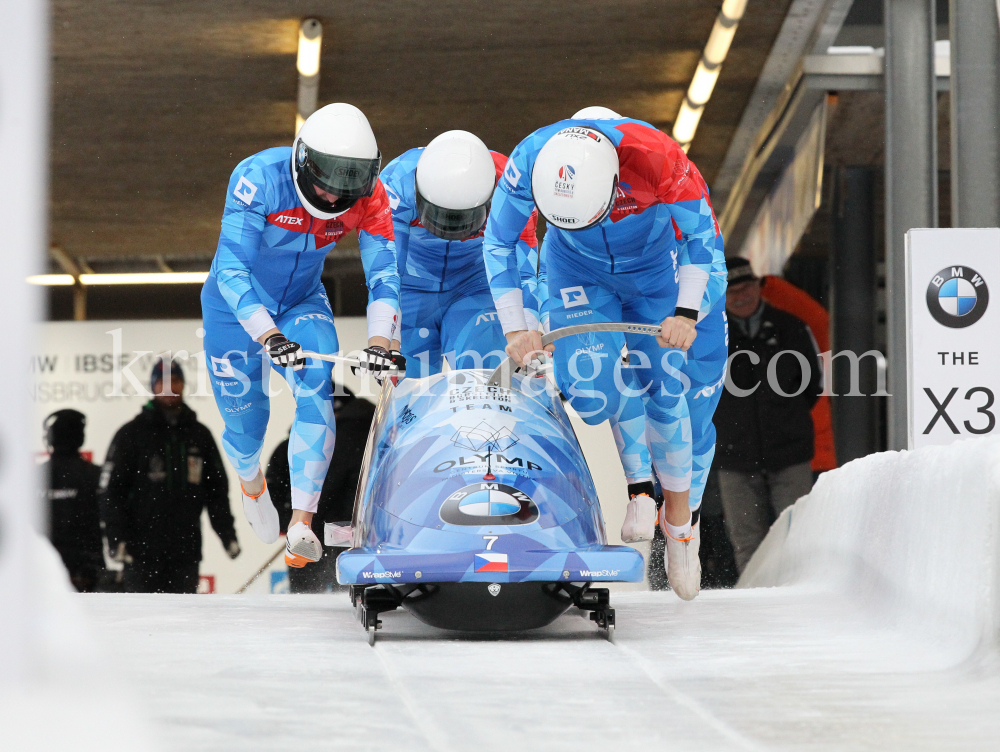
x: 573, y: 296
x: 245, y: 191
x: 222, y: 367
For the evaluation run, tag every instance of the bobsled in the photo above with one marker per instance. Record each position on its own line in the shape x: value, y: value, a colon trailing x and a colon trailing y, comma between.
x: 476, y: 510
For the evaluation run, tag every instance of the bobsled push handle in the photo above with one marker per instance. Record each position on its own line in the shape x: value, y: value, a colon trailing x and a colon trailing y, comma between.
x: 351, y: 362
x: 502, y: 375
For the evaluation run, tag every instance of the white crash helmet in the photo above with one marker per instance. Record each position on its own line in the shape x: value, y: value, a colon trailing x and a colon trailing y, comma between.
x: 335, y: 151
x: 596, y: 113
x: 575, y: 178
x: 454, y: 180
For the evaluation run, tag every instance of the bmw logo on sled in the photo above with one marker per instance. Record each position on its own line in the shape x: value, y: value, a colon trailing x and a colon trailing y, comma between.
x: 476, y: 510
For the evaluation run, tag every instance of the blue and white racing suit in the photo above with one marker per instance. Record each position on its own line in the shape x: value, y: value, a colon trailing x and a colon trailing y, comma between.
x: 446, y: 305
x: 629, y: 267
x: 265, y: 275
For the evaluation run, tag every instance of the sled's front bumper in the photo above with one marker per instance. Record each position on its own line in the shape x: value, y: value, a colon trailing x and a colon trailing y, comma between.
x: 361, y: 566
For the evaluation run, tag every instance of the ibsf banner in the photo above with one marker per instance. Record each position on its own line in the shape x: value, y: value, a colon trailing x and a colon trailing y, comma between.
x: 953, y: 334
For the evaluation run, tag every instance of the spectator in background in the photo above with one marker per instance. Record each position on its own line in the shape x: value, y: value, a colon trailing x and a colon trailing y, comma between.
x: 71, y: 489
x: 765, y: 438
x: 785, y: 296
x: 336, y: 502
x: 162, y: 469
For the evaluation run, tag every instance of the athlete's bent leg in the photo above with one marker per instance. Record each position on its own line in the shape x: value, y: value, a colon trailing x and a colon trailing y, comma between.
x: 471, y: 335
x: 420, y: 337
x: 239, y: 370
x: 313, y: 434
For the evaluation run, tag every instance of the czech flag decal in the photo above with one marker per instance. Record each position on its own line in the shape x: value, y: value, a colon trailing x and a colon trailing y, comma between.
x: 491, y: 562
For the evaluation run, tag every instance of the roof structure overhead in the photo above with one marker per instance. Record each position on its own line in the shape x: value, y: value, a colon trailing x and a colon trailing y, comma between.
x: 154, y: 102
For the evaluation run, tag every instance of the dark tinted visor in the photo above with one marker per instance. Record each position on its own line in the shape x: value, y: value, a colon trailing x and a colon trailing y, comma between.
x: 349, y: 179
x: 451, y: 224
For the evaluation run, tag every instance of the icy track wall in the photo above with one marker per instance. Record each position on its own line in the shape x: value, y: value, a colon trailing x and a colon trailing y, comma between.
x: 913, y: 538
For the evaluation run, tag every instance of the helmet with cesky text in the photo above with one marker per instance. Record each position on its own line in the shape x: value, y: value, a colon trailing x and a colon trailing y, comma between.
x: 454, y: 182
x: 575, y: 178
x: 335, y: 160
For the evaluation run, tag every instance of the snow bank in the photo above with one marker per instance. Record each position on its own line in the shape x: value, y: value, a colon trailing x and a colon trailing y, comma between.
x: 76, y: 699
x: 912, y: 537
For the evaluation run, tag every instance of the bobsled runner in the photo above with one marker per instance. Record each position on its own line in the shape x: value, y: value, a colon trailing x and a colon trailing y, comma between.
x: 476, y: 510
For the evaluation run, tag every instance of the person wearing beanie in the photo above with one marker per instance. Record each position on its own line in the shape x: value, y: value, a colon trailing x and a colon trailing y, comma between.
x: 74, y: 522
x: 162, y: 469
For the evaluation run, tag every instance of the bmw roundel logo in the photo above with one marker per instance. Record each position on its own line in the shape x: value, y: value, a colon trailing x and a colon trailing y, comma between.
x: 488, y: 503
x: 303, y: 152
x: 957, y: 297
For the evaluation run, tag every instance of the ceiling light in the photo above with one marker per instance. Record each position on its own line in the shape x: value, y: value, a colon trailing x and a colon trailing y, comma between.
x: 51, y: 279
x: 310, y: 43
x: 154, y: 278
x: 707, y: 74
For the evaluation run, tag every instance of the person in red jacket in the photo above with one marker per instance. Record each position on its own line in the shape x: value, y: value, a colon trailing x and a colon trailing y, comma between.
x: 785, y: 296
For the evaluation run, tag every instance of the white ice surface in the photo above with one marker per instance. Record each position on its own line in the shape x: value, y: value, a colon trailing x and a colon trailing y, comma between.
x: 873, y: 627
x: 759, y: 669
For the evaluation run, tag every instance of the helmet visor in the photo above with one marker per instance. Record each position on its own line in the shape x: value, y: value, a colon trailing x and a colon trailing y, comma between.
x: 452, y: 224
x: 334, y: 184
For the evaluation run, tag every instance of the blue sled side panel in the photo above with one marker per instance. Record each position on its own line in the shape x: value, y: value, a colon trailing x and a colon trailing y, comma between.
x: 361, y: 566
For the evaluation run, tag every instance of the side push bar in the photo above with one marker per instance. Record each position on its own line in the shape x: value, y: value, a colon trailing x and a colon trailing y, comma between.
x: 502, y: 375
x: 350, y: 362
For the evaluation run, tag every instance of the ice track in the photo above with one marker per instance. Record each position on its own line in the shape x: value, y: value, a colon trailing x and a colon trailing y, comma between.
x: 867, y: 621
x: 737, y: 670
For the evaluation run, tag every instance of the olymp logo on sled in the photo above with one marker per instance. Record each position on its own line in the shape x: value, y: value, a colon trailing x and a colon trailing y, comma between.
x: 957, y: 297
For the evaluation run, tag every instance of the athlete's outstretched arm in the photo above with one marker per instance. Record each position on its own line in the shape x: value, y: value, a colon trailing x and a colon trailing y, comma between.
x: 378, y: 257
x: 243, y: 223
x: 527, y: 264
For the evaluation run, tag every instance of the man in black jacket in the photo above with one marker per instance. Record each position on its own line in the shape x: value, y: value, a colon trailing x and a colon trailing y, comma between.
x: 71, y: 492
x: 162, y: 469
x: 764, y: 428
x: 336, y: 502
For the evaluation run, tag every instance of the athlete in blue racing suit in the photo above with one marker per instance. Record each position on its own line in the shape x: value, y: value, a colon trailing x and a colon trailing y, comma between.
x: 703, y: 369
x: 265, y: 285
x: 446, y: 306
x: 626, y: 265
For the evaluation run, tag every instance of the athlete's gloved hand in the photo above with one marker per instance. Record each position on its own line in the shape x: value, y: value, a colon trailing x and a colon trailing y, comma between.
x: 398, y: 361
x: 233, y: 549
x: 677, y: 331
x: 375, y: 360
x: 283, y: 352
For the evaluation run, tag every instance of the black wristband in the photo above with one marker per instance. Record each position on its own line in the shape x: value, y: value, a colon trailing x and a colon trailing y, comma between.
x: 688, y: 313
x: 279, y: 334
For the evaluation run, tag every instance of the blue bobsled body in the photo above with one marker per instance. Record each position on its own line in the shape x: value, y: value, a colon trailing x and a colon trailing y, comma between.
x: 469, y: 483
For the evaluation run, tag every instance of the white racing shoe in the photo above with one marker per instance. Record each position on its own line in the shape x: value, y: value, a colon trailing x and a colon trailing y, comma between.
x: 640, y: 517
x: 302, y: 546
x: 682, y: 562
x: 261, y: 514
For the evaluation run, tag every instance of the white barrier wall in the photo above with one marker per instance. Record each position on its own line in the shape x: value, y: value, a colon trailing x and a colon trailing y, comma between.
x: 74, y: 367
x: 912, y: 537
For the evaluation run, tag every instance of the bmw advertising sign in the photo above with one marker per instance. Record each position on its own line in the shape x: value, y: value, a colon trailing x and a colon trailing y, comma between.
x: 953, y: 347
x: 957, y: 297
